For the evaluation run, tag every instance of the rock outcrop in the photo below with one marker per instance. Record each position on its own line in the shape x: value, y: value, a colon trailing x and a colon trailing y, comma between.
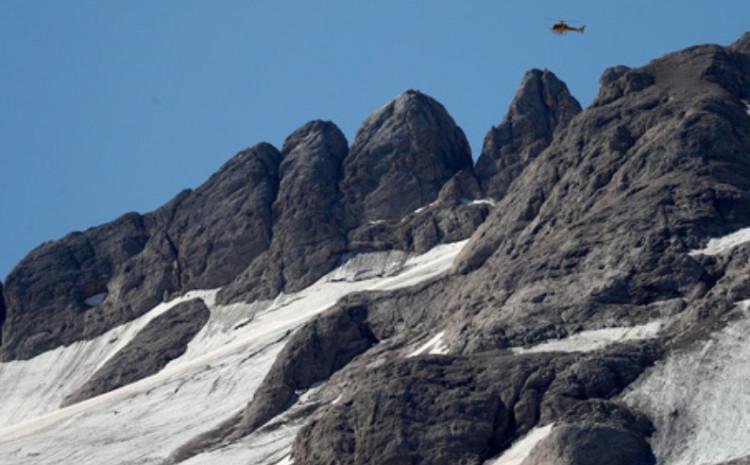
x: 400, y: 159
x: 88, y: 282
x: 162, y: 340
x: 308, y: 238
x: 596, y: 222
x: 591, y: 444
x: 598, y: 227
x: 450, y: 409
x: 540, y: 107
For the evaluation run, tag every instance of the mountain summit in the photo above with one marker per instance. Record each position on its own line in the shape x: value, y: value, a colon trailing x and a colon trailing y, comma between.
x: 578, y: 296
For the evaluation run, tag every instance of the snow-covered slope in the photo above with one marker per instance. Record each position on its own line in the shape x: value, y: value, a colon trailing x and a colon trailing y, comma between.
x: 699, y: 399
x: 224, y: 364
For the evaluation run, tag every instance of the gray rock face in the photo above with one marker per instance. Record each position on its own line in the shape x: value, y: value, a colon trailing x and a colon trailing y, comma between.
x: 453, y: 216
x: 450, y: 409
x: 226, y: 222
x: 595, y: 232
x: 311, y: 356
x: 541, y: 106
x: 400, y: 159
x: 201, y: 239
x: 598, y: 227
x: 591, y: 444
x: 308, y: 239
x: 163, y: 339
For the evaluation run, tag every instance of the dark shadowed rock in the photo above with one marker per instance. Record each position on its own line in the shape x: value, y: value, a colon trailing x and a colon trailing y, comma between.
x: 82, y: 285
x: 541, y: 106
x: 163, y: 339
x: 591, y: 444
x: 400, y: 159
x: 308, y: 239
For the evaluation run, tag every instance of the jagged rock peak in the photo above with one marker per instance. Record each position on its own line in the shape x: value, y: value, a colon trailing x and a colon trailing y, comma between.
x: 307, y: 238
x: 315, y: 133
x: 742, y: 44
x: 86, y: 283
x: 401, y: 157
x: 541, y: 106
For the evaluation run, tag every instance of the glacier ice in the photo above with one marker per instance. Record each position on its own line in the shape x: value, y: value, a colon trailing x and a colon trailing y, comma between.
x: 224, y: 364
x: 699, y: 399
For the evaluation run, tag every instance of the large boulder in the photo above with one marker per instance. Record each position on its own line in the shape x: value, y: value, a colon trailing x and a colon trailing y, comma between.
x: 591, y: 444
x: 540, y: 107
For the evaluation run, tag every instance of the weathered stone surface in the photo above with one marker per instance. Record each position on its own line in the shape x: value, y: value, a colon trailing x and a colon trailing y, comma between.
x: 598, y: 227
x: 201, y: 239
x: 308, y: 239
x: 450, y: 409
x: 400, y: 159
x: 226, y: 222
x: 541, y: 106
x: 591, y: 444
x: 163, y: 339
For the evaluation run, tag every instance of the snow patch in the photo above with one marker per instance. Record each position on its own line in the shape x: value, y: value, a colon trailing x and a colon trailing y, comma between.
x: 433, y: 346
x: 223, y: 366
x: 489, y: 202
x: 747, y: 106
x: 30, y: 388
x: 423, y: 208
x: 723, y: 244
x: 95, y: 299
x: 699, y: 400
x: 595, y: 339
x: 521, y: 448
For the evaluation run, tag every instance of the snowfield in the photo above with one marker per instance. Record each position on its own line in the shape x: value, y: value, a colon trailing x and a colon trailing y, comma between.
x: 521, y: 448
x: 433, y: 346
x: 595, y: 339
x: 699, y: 399
x: 223, y: 366
x: 724, y: 244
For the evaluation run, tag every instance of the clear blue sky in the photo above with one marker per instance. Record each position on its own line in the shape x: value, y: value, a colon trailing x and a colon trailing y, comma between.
x: 114, y: 106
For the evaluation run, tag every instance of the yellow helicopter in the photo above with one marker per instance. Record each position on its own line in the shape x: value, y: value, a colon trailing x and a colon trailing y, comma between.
x: 562, y: 27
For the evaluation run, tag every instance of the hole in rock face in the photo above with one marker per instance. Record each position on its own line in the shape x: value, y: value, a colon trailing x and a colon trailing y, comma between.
x: 94, y: 294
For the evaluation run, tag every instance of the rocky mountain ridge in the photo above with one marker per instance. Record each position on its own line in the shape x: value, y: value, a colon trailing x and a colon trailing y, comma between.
x: 597, y: 224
